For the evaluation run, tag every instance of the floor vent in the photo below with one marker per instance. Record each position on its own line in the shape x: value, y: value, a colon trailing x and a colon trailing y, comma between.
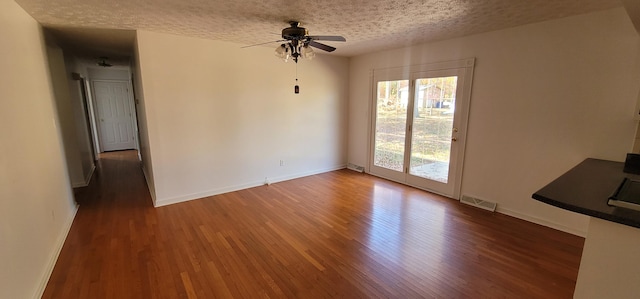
x: 483, y: 204
x: 355, y: 167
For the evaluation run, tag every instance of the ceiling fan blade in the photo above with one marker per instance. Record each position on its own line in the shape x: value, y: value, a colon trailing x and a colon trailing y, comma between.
x: 334, y: 38
x: 321, y: 46
x: 260, y: 44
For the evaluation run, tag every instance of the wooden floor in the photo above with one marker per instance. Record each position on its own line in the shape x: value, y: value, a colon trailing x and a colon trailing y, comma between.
x: 335, y: 235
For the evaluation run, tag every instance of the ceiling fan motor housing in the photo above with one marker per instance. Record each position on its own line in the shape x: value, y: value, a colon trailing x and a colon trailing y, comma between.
x: 294, y: 32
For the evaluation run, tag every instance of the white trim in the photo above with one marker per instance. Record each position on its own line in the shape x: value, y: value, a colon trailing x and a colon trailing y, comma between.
x: 134, y: 107
x: 464, y: 69
x: 44, y: 278
x: 199, y: 195
x: 510, y: 212
x: 91, y: 172
x: 87, y: 178
x: 541, y: 221
x: 77, y: 184
x: 371, y: 121
x: 92, y: 118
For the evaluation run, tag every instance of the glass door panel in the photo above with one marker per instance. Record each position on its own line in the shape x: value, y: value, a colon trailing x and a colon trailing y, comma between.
x: 419, y: 121
x: 432, y: 127
x: 390, y: 124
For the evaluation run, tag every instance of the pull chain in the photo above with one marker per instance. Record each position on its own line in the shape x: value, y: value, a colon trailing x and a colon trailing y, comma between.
x: 296, y: 89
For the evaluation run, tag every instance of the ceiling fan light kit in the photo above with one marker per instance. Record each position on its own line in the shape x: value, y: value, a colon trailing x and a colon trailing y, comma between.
x: 289, y: 51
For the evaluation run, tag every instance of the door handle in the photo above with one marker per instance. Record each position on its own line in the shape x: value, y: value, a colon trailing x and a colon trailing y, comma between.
x: 454, y: 139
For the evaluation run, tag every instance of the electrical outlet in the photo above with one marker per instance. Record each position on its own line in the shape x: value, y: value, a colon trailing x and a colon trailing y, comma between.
x: 281, y: 162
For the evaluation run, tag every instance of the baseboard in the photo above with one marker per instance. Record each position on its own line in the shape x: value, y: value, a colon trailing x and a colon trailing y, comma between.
x: 515, y: 214
x: 54, y: 256
x: 306, y: 173
x: 78, y: 185
x: 91, y: 172
x: 188, y: 197
x: 193, y: 196
x: 542, y: 222
x: 87, y: 179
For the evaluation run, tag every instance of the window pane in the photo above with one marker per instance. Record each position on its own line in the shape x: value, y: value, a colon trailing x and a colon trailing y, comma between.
x: 391, y: 120
x: 432, y: 127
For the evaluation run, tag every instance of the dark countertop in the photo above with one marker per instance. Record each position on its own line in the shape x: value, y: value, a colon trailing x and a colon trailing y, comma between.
x: 586, y: 188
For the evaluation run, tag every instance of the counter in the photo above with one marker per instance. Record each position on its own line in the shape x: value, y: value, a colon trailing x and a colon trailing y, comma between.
x: 585, y: 189
x: 610, y: 263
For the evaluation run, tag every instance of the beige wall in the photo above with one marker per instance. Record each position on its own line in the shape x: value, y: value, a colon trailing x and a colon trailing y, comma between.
x: 141, y: 113
x: 36, y: 203
x: 64, y: 109
x: 636, y: 142
x: 81, y: 124
x: 633, y: 10
x: 220, y: 118
x: 71, y: 113
x: 545, y: 96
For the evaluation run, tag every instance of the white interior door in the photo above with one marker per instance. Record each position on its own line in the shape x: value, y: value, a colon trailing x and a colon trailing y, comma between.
x: 115, y: 115
x: 419, y: 125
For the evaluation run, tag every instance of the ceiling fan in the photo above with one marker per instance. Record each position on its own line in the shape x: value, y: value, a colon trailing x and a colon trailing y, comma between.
x: 102, y: 61
x: 298, y: 42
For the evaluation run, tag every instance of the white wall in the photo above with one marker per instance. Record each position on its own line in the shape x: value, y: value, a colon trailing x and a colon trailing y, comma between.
x: 221, y: 118
x: 143, y: 130
x: 65, y: 112
x: 80, y: 113
x: 71, y: 114
x: 545, y: 96
x: 36, y: 203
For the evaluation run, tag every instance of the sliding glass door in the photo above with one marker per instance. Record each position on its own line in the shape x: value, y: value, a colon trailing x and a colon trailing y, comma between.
x: 391, y: 119
x: 419, y: 126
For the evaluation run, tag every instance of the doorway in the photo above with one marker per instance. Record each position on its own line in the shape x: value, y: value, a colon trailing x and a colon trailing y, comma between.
x: 419, y: 125
x: 114, y: 113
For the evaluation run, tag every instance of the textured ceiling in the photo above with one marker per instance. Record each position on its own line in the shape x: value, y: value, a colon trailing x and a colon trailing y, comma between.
x: 368, y: 26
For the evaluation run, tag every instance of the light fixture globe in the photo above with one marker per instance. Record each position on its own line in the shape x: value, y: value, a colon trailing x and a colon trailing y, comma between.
x: 307, y: 53
x: 283, y: 53
x: 280, y: 51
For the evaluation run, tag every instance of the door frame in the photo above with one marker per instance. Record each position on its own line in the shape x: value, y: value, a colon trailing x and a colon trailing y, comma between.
x: 462, y: 106
x: 132, y: 107
x: 87, y: 113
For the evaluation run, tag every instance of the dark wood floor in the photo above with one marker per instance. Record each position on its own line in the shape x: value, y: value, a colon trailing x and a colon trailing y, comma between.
x: 339, y: 234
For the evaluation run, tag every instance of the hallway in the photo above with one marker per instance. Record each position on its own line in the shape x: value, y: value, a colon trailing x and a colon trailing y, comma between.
x: 337, y: 234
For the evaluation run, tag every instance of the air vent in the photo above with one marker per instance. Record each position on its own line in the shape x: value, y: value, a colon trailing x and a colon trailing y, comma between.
x: 354, y: 167
x: 479, y: 203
